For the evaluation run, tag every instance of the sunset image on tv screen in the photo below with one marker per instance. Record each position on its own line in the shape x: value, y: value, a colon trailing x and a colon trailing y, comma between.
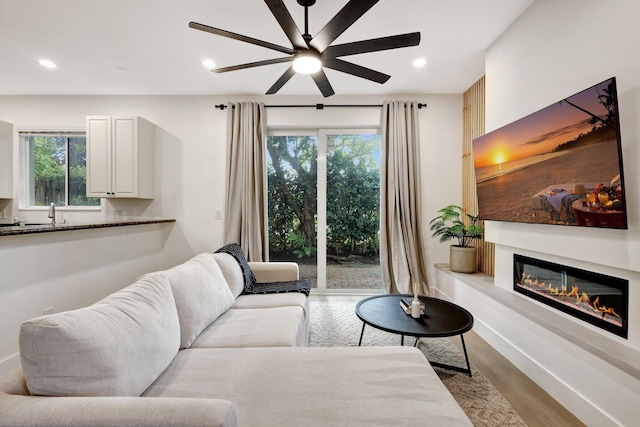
x: 560, y: 165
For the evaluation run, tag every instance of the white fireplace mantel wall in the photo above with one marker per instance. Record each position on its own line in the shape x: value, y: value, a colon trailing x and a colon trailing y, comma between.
x: 593, y: 374
x: 553, y: 50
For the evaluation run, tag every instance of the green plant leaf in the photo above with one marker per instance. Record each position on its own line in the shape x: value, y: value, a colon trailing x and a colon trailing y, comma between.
x: 449, y: 224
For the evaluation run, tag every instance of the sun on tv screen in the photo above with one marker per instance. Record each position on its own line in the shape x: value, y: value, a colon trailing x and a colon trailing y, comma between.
x: 560, y: 165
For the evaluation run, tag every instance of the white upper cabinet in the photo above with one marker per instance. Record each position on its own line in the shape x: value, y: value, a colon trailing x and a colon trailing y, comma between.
x: 120, y: 157
x: 6, y: 160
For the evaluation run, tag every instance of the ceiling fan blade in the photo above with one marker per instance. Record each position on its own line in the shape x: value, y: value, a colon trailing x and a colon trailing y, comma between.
x: 356, y: 70
x: 281, y: 81
x: 372, y: 45
x: 323, y: 83
x: 349, y: 14
x: 282, y: 15
x: 251, y: 65
x: 240, y: 37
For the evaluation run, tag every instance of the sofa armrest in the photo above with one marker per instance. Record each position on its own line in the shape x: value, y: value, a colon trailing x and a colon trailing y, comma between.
x: 266, y: 272
x: 35, y: 411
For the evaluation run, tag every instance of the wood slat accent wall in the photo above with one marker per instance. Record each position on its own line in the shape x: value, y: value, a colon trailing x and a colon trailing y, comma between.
x: 473, y: 127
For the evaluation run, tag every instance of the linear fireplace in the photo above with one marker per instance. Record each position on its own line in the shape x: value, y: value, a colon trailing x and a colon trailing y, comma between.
x: 595, y: 298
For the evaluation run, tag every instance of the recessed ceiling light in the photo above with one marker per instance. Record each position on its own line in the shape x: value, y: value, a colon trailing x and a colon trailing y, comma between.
x: 47, y: 63
x: 420, y: 62
x: 209, y: 64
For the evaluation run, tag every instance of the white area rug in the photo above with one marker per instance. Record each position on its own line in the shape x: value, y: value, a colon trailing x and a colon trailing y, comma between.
x: 335, y: 324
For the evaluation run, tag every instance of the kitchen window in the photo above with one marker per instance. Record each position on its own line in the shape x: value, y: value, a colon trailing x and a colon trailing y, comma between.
x: 53, y: 170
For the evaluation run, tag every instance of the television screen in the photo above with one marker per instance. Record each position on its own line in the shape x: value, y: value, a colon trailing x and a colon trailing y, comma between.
x: 560, y: 165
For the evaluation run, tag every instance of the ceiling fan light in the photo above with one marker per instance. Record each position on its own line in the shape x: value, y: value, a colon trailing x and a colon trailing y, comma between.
x: 307, y: 63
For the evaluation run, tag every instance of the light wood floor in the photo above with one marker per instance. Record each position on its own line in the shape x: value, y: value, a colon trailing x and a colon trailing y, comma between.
x: 535, y: 406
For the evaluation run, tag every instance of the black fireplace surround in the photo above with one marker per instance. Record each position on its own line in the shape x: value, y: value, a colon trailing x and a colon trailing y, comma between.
x: 595, y: 298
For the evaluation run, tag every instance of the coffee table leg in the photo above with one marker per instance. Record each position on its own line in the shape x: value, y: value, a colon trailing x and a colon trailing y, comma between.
x: 466, y: 357
x: 402, y: 340
x: 361, y: 334
x: 466, y: 370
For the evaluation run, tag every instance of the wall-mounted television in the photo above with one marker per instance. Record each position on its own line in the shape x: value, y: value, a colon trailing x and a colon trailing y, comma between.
x: 561, y: 165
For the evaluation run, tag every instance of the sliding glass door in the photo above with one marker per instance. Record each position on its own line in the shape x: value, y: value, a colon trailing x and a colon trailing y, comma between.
x: 324, y: 193
x: 292, y: 181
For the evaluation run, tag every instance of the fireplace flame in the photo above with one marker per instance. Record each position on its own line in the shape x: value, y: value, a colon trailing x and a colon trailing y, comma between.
x: 604, y: 310
x: 580, y: 298
x: 584, y: 298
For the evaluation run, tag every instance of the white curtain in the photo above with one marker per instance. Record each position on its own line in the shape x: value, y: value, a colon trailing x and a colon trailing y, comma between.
x: 401, y: 253
x: 246, y: 212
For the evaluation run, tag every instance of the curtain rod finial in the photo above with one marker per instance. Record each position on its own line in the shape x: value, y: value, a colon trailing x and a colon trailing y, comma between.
x: 221, y: 106
x: 420, y: 106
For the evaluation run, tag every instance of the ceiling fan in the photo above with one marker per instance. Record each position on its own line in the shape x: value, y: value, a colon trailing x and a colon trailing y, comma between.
x: 310, y: 54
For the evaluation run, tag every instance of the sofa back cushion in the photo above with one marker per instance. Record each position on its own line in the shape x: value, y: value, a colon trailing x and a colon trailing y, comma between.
x: 201, y: 294
x: 232, y: 272
x: 236, y: 251
x: 116, y: 347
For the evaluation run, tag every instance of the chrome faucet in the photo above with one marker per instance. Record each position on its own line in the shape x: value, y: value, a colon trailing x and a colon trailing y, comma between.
x: 52, y: 214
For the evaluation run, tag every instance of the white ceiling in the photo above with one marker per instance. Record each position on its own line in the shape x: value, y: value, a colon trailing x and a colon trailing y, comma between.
x: 146, y: 47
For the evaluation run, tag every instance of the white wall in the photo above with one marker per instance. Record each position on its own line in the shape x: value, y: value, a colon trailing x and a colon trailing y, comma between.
x: 190, y: 175
x: 555, y: 49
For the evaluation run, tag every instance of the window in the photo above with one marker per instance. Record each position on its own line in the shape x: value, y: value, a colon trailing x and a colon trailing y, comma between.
x: 53, y: 170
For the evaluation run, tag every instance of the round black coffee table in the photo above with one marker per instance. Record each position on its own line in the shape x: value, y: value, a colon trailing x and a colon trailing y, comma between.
x: 441, y: 319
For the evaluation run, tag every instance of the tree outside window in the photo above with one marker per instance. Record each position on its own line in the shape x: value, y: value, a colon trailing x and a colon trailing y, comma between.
x: 55, y: 170
x: 353, y: 195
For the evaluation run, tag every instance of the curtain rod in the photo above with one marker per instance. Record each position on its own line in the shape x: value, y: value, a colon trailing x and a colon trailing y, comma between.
x: 322, y: 106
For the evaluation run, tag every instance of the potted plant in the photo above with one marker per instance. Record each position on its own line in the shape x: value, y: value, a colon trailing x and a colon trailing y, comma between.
x: 449, y: 225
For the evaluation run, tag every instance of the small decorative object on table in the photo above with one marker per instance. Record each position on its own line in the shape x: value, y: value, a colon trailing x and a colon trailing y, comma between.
x: 405, y: 304
x: 416, y: 305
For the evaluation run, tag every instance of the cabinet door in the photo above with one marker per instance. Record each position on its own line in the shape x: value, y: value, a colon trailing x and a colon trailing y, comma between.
x: 6, y: 160
x: 125, y: 157
x: 99, y: 156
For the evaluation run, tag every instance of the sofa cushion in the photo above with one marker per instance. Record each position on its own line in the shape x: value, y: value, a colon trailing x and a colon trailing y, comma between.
x: 235, y: 251
x: 316, y: 387
x: 201, y: 295
x: 258, y: 327
x: 232, y: 272
x: 116, y: 347
x: 289, y: 299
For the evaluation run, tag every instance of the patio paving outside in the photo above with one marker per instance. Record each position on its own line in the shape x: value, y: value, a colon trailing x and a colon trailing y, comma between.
x: 345, y: 275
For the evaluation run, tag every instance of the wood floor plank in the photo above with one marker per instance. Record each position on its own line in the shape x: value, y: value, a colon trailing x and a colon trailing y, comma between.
x: 534, y: 405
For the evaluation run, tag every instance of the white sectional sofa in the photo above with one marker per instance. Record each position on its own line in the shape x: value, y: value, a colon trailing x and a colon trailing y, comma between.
x: 185, y: 347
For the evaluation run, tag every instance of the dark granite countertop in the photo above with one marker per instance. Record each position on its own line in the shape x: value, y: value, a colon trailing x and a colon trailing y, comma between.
x: 46, y: 228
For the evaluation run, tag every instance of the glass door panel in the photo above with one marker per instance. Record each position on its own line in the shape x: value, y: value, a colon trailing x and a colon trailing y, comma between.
x: 352, y: 216
x: 292, y: 177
